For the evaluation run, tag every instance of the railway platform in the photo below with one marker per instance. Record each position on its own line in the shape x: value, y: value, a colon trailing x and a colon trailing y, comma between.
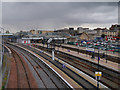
x: 71, y: 83
x: 91, y: 80
x: 115, y: 54
x: 109, y: 64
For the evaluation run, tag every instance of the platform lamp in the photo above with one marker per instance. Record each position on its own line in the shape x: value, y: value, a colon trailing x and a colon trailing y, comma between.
x: 58, y: 44
x: 86, y: 50
x: 53, y: 43
x: 93, y: 54
x: 78, y: 45
x: 98, y: 68
x: 106, y: 53
x: 43, y: 42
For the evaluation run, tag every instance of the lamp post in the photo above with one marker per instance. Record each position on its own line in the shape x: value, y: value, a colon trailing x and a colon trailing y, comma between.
x: 78, y: 46
x: 43, y: 43
x: 86, y: 50
x: 58, y: 45
x: 106, y: 53
x: 98, y: 69
x: 1, y: 52
x: 93, y: 54
x: 98, y: 58
x: 2, y: 46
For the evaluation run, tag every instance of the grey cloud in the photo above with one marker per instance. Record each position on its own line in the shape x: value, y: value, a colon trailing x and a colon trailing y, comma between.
x: 26, y: 15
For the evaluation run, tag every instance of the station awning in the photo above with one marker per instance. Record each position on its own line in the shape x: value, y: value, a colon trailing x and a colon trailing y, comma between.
x: 32, y: 38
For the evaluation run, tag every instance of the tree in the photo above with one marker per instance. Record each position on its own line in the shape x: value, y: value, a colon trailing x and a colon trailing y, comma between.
x: 21, y: 31
x: 7, y: 32
x: 103, y: 35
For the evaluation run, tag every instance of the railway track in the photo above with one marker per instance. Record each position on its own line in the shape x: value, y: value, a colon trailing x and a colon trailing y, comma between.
x: 22, y: 76
x: 110, y: 77
x: 77, y: 78
x: 48, y: 81
x: 90, y: 69
x: 108, y: 57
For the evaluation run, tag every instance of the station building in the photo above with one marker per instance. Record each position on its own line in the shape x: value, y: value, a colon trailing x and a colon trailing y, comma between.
x: 111, y: 35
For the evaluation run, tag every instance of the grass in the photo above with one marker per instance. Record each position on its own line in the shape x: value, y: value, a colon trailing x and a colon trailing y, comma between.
x: 5, y: 65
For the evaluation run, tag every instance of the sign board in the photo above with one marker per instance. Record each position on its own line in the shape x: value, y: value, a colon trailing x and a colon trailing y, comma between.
x: 90, y: 49
x: 98, y: 73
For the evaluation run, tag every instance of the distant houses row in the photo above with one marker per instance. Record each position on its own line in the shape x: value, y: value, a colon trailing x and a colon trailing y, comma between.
x: 67, y: 34
x: 84, y: 33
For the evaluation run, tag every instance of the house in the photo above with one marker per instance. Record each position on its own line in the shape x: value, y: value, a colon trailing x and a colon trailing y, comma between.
x: 38, y: 32
x: 110, y: 34
x: 84, y: 36
x: 72, y: 39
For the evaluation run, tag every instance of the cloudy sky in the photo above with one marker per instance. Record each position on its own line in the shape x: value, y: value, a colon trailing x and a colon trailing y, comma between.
x: 18, y: 16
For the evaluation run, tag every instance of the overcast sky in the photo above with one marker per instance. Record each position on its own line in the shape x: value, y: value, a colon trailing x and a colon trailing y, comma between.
x: 54, y: 15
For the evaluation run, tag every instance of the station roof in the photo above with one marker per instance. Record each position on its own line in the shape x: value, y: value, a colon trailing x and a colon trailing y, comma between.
x: 33, y: 38
x: 6, y: 34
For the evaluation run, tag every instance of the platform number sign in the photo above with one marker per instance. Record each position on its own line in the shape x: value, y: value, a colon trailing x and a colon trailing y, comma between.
x: 98, y: 75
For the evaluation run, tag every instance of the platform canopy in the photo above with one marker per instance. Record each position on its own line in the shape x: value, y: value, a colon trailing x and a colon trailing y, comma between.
x: 35, y: 38
x: 59, y: 38
x: 6, y: 34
